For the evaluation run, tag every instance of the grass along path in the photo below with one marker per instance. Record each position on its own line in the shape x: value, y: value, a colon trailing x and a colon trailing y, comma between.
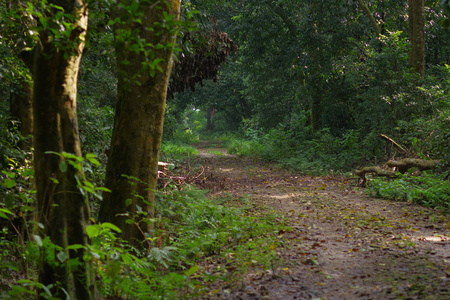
x: 341, y: 244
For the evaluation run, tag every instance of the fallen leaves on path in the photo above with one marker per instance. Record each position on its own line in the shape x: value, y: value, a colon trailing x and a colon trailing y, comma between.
x: 341, y: 244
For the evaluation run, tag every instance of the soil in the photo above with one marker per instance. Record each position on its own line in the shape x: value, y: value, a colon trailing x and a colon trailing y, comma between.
x: 343, y: 244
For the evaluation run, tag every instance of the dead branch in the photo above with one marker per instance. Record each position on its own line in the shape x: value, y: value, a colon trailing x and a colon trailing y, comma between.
x: 376, y: 170
x: 402, y: 149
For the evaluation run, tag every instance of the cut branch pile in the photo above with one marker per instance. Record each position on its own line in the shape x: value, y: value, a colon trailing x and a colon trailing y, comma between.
x: 166, y: 178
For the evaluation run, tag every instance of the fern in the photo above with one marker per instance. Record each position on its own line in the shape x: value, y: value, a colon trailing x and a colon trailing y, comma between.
x: 161, y: 256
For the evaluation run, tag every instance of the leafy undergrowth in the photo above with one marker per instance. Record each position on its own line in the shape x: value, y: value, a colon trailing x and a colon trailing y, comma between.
x: 197, y: 241
x: 427, y: 190
x: 175, y: 152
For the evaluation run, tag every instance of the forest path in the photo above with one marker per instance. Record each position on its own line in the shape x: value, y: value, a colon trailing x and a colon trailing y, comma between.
x: 343, y: 244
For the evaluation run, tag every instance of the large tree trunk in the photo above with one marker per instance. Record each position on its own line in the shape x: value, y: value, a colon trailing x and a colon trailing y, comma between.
x: 132, y: 167
x: 416, y: 10
x: 62, y: 209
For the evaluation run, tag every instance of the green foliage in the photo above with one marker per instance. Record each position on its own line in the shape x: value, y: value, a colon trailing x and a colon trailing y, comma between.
x: 293, y: 149
x: 243, y: 147
x: 202, y: 227
x: 173, y: 152
x: 445, y: 4
x: 189, y: 228
x: 427, y: 190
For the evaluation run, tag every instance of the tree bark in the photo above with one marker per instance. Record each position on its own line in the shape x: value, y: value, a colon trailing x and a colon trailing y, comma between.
x: 405, y: 164
x: 62, y: 209
x: 132, y: 166
x: 416, y: 10
x: 210, y: 113
x: 376, y: 170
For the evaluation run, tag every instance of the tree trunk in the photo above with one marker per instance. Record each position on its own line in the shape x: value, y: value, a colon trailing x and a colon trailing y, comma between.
x: 132, y: 167
x: 416, y: 10
x: 210, y: 113
x: 21, y: 110
x: 62, y: 209
x: 371, y: 18
x: 315, y: 114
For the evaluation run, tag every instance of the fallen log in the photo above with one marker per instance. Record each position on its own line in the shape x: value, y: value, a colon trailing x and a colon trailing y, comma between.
x: 405, y: 164
x: 376, y: 170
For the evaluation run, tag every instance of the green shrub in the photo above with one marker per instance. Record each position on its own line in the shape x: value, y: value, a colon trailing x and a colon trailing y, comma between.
x: 172, y: 152
x: 242, y: 147
x: 427, y: 190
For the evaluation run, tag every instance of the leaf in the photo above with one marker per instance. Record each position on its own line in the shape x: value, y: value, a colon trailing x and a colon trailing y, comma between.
x: 93, y: 230
x: 75, y: 247
x: 8, y: 183
x: 127, y: 258
x: 5, y: 211
x: 88, y: 184
x: 53, y: 152
x: 62, y: 256
x: 191, y: 271
x: 38, y: 240
x: 94, y: 161
x: 90, y: 155
x: 47, y: 290
x: 111, y: 226
x: 63, y: 167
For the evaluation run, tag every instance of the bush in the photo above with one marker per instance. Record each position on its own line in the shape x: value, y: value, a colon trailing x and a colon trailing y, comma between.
x: 427, y: 190
x: 173, y: 152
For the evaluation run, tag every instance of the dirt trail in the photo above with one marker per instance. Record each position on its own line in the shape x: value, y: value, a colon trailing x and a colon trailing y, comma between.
x: 343, y: 245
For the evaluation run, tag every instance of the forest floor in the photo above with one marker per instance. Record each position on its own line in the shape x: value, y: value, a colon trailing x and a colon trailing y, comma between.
x: 343, y: 244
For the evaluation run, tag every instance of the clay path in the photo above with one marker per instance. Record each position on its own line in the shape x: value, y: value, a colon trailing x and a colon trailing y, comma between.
x: 343, y: 244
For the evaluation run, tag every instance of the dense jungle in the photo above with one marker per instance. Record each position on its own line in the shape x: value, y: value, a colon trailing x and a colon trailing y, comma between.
x: 242, y: 149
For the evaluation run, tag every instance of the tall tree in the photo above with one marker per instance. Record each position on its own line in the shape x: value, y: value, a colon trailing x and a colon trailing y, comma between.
x: 145, y: 33
x: 416, y: 11
x: 62, y: 209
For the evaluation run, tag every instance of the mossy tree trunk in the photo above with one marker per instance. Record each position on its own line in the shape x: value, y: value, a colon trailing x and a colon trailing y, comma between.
x: 132, y: 167
x: 416, y: 11
x: 62, y: 209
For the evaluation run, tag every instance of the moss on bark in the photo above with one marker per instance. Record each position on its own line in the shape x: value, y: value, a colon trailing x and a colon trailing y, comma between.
x: 138, y: 124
